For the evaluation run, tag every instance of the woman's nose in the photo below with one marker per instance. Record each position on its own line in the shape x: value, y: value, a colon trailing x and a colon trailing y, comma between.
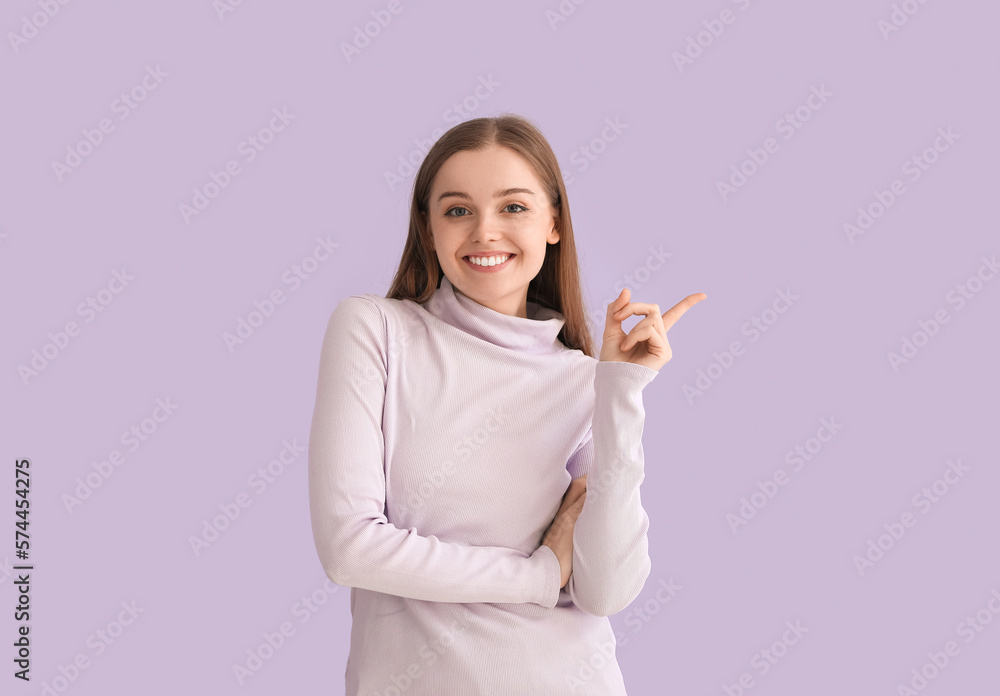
x: 487, y: 228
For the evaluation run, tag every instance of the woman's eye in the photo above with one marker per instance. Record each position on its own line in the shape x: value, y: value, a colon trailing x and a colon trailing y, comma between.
x: 506, y: 207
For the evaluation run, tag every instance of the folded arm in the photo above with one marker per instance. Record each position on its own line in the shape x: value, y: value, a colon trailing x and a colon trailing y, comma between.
x: 357, y: 545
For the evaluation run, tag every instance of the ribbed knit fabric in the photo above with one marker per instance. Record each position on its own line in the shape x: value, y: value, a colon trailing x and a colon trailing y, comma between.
x: 443, y: 439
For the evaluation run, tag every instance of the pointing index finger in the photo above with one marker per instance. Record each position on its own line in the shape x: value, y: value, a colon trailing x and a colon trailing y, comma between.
x: 671, y: 316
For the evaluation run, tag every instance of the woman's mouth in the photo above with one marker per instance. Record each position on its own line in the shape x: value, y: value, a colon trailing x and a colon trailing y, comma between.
x: 488, y: 264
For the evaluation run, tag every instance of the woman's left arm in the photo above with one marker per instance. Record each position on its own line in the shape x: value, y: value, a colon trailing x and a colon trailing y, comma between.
x: 610, y: 546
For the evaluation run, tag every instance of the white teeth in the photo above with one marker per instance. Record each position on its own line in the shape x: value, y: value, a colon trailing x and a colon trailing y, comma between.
x: 488, y: 260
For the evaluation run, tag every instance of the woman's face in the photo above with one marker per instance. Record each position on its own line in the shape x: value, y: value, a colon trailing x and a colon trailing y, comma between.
x: 490, y: 203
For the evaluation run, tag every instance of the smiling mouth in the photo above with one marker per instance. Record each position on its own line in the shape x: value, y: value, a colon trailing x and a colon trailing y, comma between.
x: 468, y: 259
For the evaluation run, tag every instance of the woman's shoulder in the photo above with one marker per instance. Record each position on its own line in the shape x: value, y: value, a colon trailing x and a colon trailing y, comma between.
x: 578, y: 359
x: 363, y: 303
x: 388, y: 314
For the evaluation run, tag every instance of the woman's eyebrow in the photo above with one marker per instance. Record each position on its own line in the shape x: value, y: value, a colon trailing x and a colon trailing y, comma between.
x: 499, y: 194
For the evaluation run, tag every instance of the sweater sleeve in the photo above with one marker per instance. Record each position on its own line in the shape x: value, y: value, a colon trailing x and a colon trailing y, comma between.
x: 610, y: 548
x: 357, y: 545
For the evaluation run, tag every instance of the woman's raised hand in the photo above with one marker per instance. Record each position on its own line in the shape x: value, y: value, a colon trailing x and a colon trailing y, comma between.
x: 646, y: 344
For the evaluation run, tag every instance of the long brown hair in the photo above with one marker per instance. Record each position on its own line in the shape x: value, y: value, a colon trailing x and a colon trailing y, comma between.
x: 557, y: 285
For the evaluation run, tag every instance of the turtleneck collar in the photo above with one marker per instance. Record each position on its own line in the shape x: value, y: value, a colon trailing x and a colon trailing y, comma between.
x: 538, y: 333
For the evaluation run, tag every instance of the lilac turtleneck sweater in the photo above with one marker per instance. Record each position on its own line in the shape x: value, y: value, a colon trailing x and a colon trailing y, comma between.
x: 443, y: 439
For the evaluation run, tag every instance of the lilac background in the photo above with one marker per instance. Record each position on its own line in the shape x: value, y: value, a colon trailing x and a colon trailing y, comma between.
x: 653, y: 186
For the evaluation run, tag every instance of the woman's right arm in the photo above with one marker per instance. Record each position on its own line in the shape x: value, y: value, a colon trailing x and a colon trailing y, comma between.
x: 357, y: 545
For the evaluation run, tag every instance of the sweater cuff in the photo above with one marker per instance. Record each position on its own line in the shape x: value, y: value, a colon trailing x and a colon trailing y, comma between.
x: 547, y: 563
x: 630, y: 376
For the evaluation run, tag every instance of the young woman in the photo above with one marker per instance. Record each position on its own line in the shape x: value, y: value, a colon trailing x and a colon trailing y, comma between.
x: 457, y: 422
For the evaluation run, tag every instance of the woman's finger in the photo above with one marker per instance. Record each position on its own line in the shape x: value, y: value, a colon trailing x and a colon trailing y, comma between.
x: 575, y: 486
x: 656, y: 339
x: 653, y: 322
x: 671, y: 316
x: 636, y: 308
